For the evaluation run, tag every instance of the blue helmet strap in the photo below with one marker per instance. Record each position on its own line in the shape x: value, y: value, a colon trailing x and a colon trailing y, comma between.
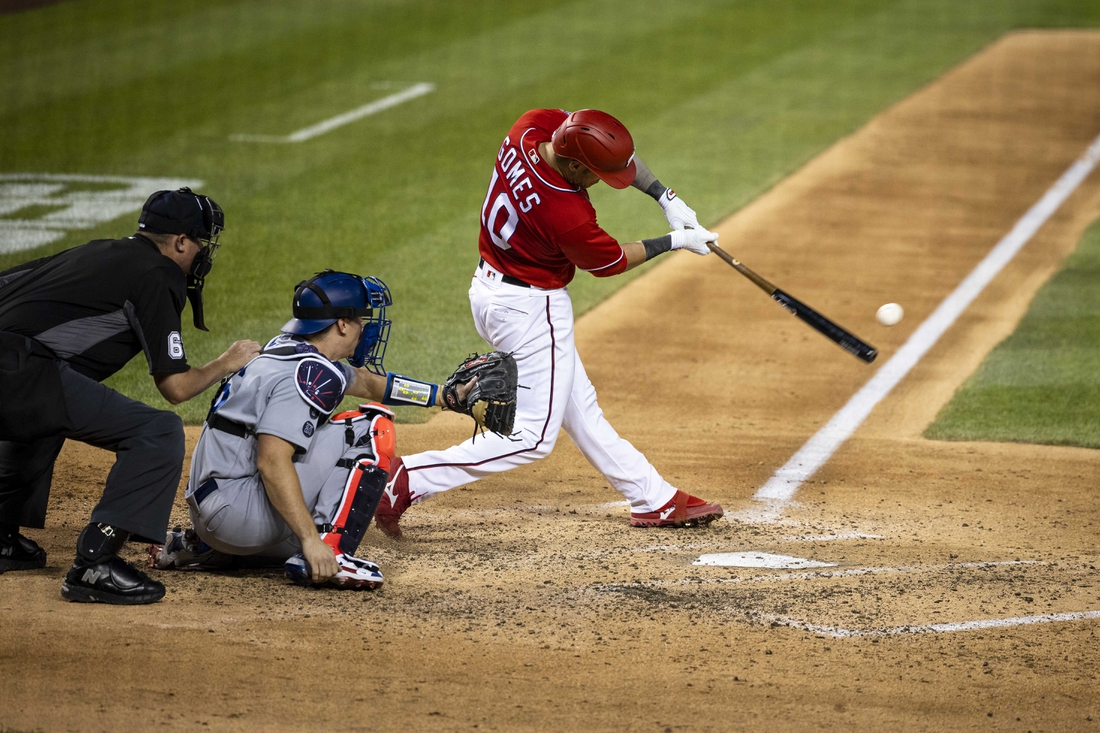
x: 327, y: 309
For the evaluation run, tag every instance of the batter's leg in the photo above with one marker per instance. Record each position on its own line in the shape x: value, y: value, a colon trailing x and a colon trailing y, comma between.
x: 537, y: 328
x: 621, y: 463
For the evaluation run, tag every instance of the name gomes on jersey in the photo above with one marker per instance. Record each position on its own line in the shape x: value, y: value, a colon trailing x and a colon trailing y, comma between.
x: 500, y: 217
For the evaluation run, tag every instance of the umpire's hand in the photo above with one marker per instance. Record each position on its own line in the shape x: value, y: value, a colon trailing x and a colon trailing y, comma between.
x: 181, y: 386
x: 239, y: 354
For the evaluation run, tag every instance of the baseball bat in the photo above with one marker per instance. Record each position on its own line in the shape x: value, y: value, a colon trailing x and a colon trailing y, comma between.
x: 844, y: 338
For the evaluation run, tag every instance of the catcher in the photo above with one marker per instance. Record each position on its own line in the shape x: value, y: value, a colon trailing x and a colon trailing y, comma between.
x: 276, y: 477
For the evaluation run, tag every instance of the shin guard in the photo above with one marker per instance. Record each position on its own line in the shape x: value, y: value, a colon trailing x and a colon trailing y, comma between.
x: 362, y: 492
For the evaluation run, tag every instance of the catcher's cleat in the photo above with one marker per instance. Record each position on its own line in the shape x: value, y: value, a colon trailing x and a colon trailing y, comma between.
x: 354, y: 573
x: 20, y: 553
x: 111, y: 580
x: 682, y: 510
x: 395, y: 500
x: 183, y: 550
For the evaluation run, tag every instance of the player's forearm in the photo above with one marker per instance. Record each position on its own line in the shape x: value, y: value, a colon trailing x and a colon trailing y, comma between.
x: 284, y: 490
x: 394, y: 389
x: 645, y: 181
x: 367, y: 385
x: 635, y: 254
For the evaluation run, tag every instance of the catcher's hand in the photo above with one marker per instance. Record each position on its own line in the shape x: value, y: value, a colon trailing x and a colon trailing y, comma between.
x: 491, y: 400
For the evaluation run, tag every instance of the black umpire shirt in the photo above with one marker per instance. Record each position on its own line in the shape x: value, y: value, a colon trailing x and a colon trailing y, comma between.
x: 97, y: 305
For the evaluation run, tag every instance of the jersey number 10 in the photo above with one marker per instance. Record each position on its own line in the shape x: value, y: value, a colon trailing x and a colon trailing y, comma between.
x: 501, y: 228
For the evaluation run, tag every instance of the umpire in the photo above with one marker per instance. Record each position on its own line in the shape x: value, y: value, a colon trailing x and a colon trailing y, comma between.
x: 68, y: 322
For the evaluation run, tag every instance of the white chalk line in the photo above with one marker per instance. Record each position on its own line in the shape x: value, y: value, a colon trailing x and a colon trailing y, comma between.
x: 846, y: 573
x: 834, y: 537
x: 308, y: 133
x: 990, y: 623
x: 781, y: 488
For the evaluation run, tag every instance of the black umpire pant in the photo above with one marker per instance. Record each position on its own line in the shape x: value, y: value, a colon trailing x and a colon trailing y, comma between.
x: 141, y: 486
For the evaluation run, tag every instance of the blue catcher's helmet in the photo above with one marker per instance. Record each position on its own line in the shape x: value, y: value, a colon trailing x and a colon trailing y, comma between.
x: 328, y: 296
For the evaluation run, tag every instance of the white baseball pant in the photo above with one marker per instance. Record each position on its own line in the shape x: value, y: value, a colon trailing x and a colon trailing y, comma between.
x: 536, y: 326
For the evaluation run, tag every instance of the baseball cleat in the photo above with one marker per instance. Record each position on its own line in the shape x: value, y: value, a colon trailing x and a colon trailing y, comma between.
x: 682, y: 510
x: 20, y: 553
x: 354, y: 573
x: 183, y: 550
x: 111, y: 580
x: 395, y: 500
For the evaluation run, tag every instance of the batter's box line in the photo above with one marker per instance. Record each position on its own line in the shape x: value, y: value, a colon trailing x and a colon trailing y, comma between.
x: 825, y: 574
x: 836, y: 632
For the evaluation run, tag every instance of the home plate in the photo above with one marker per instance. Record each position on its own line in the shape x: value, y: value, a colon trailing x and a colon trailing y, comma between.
x: 759, y: 560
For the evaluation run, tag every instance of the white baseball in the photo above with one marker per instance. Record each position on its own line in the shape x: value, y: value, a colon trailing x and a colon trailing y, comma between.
x: 889, y: 314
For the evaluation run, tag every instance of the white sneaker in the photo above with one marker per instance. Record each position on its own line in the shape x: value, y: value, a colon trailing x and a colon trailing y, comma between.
x: 354, y: 573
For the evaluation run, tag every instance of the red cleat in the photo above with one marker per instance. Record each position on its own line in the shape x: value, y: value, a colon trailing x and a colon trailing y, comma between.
x: 682, y: 510
x: 395, y: 500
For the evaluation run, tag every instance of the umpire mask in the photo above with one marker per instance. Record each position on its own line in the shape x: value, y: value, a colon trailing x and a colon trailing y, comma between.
x: 196, y: 216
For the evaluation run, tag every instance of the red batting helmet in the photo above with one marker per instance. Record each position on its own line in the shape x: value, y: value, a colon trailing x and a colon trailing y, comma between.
x: 600, y: 142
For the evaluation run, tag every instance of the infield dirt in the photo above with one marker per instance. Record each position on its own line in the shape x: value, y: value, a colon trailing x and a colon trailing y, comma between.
x: 526, y: 602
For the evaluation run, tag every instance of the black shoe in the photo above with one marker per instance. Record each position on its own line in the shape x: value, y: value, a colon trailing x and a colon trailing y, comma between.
x: 19, y: 553
x: 111, y: 580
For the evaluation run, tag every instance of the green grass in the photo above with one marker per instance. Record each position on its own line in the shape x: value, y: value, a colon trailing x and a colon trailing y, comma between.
x: 1042, y: 383
x: 724, y: 99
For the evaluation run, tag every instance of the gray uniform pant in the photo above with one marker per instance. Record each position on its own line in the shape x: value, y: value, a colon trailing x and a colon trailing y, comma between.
x: 140, y: 489
x: 237, y: 518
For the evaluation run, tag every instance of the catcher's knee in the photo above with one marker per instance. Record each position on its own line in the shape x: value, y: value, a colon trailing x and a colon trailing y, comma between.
x: 369, y: 433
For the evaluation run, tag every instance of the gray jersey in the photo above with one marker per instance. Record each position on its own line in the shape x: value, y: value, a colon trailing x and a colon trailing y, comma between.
x: 288, y: 391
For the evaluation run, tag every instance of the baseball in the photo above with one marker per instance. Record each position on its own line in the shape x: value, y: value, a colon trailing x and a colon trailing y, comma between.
x: 889, y: 314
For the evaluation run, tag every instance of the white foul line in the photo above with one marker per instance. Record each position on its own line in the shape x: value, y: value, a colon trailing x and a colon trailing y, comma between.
x: 990, y: 623
x: 781, y: 488
x: 308, y: 133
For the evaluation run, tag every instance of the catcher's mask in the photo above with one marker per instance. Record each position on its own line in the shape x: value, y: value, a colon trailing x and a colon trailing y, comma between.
x: 199, y: 217
x: 328, y: 296
x: 600, y: 142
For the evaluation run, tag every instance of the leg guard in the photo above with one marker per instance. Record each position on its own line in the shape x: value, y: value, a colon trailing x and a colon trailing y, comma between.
x: 369, y: 434
x: 99, y: 541
x: 359, y: 477
x: 362, y: 493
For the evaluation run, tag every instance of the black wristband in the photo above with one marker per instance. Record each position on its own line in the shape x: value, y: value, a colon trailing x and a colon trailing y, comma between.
x: 656, y: 190
x: 656, y: 246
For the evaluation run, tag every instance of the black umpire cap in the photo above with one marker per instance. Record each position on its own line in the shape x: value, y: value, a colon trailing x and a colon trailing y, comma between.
x: 182, y: 212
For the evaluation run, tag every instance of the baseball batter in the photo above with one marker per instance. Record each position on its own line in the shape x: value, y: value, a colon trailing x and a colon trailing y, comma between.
x: 274, y: 476
x: 538, y: 227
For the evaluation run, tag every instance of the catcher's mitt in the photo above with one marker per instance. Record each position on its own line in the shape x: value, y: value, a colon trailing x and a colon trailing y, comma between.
x: 491, y: 402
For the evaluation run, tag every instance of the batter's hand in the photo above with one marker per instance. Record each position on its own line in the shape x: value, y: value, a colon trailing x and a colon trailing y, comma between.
x: 678, y: 214
x: 239, y: 354
x: 693, y: 240
x: 322, y: 562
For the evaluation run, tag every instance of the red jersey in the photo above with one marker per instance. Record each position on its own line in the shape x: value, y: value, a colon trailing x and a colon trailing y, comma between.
x: 534, y: 225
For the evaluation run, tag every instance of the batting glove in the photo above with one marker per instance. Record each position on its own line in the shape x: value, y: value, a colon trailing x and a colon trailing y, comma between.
x: 693, y: 240
x: 678, y: 214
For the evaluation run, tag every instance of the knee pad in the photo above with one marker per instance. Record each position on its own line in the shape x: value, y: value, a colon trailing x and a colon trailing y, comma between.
x: 369, y: 434
x: 362, y: 493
